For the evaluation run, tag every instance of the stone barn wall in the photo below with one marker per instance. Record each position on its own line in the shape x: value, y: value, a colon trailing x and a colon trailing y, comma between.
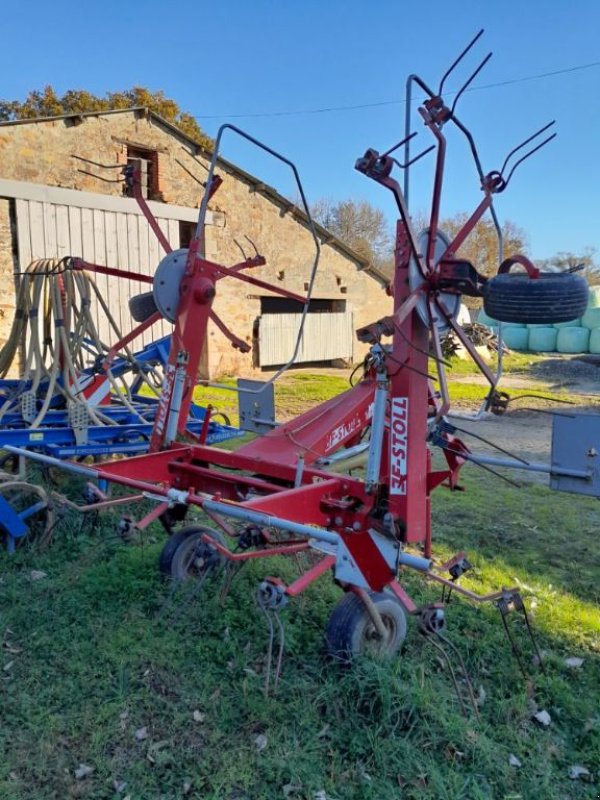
x: 43, y: 152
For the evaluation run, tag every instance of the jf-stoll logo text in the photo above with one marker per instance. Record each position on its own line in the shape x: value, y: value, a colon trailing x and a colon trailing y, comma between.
x: 398, y: 445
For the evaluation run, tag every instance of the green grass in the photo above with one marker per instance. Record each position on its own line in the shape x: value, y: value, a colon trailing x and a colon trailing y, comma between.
x: 513, y: 364
x: 93, y: 661
x: 296, y: 392
x: 91, y: 664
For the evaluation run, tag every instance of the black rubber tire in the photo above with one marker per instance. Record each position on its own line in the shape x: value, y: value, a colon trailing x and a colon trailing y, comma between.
x: 186, y: 556
x: 350, y: 631
x: 553, y: 297
x: 142, y: 306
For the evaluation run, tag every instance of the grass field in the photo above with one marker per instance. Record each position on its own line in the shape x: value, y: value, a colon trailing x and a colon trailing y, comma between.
x: 171, y: 705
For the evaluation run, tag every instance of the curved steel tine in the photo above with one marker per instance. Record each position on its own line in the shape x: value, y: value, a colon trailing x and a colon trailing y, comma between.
x: 399, y: 144
x: 526, y: 156
x: 473, y: 147
x: 470, y: 81
x: 279, y: 662
x: 463, y: 668
x: 519, y: 146
x: 458, y: 60
x: 412, y: 160
x: 100, y: 178
x: 451, y: 670
x: 252, y: 243
x: 241, y: 249
x: 96, y: 163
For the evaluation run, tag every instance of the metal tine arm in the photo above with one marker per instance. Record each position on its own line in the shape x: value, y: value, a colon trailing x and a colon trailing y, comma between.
x: 472, y: 145
x: 404, y: 141
x: 97, y: 163
x: 406, y: 164
x: 489, y: 443
x: 309, y: 222
x: 523, y: 143
x: 469, y: 81
x: 457, y: 61
x: 526, y: 156
x: 100, y: 178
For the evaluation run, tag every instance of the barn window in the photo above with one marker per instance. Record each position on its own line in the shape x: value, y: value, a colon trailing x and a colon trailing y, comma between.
x: 187, y: 231
x: 148, y: 163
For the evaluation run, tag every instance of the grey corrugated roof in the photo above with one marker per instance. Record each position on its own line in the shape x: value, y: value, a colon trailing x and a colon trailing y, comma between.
x: 260, y: 186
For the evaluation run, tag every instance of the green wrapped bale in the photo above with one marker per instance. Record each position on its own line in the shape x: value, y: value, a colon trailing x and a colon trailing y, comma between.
x: 594, y: 345
x: 542, y: 339
x: 515, y: 338
x: 573, y: 340
x: 594, y: 297
x: 591, y: 318
x: 483, y: 319
x: 574, y: 323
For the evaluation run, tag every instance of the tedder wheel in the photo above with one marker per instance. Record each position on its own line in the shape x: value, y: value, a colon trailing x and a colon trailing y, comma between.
x: 553, y: 297
x: 351, y: 631
x: 30, y: 504
x: 142, y: 306
x: 186, y: 556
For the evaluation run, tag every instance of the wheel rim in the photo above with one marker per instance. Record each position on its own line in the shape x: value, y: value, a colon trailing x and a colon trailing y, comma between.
x: 372, y: 642
x: 197, y: 558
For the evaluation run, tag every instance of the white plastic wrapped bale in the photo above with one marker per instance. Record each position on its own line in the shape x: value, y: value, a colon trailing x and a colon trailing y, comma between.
x: 542, y: 339
x: 573, y: 340
x: 464, y: 315
x: 515, y: 338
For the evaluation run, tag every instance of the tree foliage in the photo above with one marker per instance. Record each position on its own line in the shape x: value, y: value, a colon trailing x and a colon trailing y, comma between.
x: 361, y: 226
x: 47, y: 103
x: 565, y: 260
x: 365, y: 229
x: 481, y: 246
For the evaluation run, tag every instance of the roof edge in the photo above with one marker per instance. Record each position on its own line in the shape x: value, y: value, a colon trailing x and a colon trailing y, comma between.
x: 326, y: 236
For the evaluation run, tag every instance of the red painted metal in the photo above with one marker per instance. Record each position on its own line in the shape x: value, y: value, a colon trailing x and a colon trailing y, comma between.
x: 278, y: 475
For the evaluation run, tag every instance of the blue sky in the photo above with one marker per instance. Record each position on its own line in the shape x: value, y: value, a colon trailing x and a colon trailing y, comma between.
x: 258, y: 63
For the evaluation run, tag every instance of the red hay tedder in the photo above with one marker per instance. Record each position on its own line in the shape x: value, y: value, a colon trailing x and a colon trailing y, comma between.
x: 278, y: 495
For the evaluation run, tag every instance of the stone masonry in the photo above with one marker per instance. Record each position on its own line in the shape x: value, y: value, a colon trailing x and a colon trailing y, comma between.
x: 43, y: 151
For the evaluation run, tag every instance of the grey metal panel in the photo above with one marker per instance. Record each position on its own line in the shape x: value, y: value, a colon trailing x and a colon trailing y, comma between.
x: 256, y: 405
x: 326, y: 336
x: 576, y: 446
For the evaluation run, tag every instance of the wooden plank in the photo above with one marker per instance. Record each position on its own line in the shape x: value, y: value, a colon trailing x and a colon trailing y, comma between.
x: 133, y: 244
x: 326, y: 336
x: 63, y: 237
x: 36, y: 221
x: 173, y: 235
x: 122, y: 253
x: 99, y: 241
x: 146, y: 268
x: 113, y: 285
x: 50, y: 246
x: 87, y: 235
x: 75, y: 231
x: 23, y: 234
x: 110, y: 239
